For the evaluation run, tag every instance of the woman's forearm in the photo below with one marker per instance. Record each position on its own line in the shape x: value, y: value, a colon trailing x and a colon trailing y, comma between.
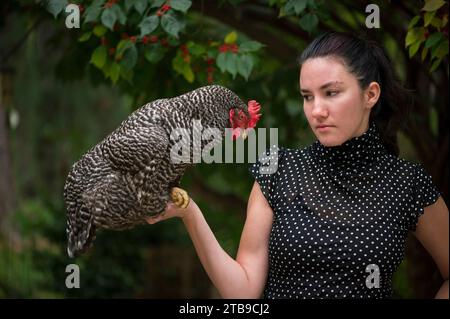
x: 443, y: 291
x: 227, y: 275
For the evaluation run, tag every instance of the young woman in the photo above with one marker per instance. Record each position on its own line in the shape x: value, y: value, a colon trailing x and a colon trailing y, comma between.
x: 332, y: 221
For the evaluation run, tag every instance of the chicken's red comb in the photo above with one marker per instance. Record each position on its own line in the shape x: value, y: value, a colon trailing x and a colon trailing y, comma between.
x: 253, y: 109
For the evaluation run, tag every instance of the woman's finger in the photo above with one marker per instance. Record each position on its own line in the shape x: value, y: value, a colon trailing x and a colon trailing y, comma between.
x: 152, y: 219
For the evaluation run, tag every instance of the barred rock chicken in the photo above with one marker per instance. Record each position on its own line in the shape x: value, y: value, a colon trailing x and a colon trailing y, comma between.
x: 130, y: 174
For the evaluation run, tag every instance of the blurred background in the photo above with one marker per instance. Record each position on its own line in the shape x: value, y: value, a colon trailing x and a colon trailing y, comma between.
x: 64, y: 89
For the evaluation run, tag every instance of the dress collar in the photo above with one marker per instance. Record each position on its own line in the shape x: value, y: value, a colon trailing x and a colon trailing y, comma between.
x: 354, y: 153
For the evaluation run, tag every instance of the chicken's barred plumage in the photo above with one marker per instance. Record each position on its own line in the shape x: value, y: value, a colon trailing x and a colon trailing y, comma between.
x: 129, y: 175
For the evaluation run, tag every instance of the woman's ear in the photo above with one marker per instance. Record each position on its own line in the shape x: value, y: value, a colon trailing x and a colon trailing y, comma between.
x: 372, y: 94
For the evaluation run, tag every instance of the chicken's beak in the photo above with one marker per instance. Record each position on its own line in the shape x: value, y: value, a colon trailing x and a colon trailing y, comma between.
x: 244, y: 134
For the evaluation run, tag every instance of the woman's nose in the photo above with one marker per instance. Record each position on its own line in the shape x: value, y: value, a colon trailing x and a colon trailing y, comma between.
x: 319, y: 109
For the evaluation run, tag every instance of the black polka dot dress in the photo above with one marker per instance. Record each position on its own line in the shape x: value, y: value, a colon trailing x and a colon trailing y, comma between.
x: 341, y: 217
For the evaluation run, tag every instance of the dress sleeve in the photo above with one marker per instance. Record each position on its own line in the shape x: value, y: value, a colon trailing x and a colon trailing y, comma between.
x: 425, y: 193
x: 264, y: 171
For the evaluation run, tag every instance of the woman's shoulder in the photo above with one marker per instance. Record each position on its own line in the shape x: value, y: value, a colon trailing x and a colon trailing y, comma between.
x: 403, y: 165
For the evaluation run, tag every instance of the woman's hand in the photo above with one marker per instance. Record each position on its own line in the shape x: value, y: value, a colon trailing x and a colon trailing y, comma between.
x: 173, y: 211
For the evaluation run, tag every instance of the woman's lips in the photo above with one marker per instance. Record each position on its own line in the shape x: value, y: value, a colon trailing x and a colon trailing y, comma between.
x: 324, y: 127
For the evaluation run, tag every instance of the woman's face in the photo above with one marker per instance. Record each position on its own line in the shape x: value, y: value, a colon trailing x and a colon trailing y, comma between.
x: 332, y: 98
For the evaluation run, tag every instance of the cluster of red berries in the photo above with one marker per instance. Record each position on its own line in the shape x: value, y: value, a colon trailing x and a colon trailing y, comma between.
x: 229, y: 47
x: 210, y: 70
x: 161, y: 11
x: 110, y: 3
x: 185, y: 53
x: 152, y: 39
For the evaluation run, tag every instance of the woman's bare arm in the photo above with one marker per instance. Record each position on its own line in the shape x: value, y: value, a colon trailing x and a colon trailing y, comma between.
x: 245, y: 276
x: 432, y: 232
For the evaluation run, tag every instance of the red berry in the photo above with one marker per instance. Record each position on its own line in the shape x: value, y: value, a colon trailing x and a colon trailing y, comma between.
x: 133, y: 39
x: 223, y: 48
x: 111, y: 51
x: 153, y: 38
x: 145, y: 39
x: 164, y: 42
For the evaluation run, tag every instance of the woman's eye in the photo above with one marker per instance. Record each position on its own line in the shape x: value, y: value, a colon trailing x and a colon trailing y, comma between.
x: 306, y: 97
x: 332, y: 93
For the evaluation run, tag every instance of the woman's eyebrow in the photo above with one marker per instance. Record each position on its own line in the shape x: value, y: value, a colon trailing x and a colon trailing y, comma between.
x: 323, y: 87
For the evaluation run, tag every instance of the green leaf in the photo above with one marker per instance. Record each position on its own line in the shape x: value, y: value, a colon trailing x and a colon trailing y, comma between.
x: 413, y: 49
x: 149, y: 24
x: 140, y: 6
x: 309, y: 22
x: 129, y: 58
x: 114, y: 72
x: 127, y: 74
x: 245, y: 65
x: 221, y: 62
x: 415, y: 35
x: 119, y: 14
x: 157, y: 3
x: 196, y: 49
x: 296, y: 6
x: 424, y: 54
x: 427, y: 17
x: 188, y: 73
x: 432, y: 5
x: 435, y: 65
x: 56, y: 6
x: 99, y: 30
x: 171, y: 25
x: 93, y: 11
x: 183, y: 68
x: 433, y: 39
x: 98, y: 57
x: 440, y: 50
x: 109, y: 18
x: 231, y: 63
x: 181, y: 5
x: 154, y: 53
x: 436, y: 22
x: 122, y: 46
x: 85, y: 36
x: 231, y: 37
x: 129, y: 4
x: 413, y: 22
x: 250, y: 46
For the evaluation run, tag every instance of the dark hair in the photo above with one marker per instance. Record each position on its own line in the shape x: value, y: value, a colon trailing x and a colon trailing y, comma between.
x: 367, y: 61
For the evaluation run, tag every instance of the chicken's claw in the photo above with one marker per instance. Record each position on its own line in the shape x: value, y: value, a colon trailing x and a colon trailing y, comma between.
x: 179, y: 197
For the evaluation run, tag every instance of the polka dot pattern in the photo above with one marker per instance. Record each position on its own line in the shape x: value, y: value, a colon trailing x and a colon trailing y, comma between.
x: 336, y: 211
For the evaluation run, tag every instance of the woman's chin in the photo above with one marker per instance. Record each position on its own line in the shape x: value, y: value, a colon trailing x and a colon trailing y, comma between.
x: 329, y: 141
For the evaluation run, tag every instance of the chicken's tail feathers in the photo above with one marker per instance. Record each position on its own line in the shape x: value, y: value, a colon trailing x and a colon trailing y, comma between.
x: 81, y: 231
